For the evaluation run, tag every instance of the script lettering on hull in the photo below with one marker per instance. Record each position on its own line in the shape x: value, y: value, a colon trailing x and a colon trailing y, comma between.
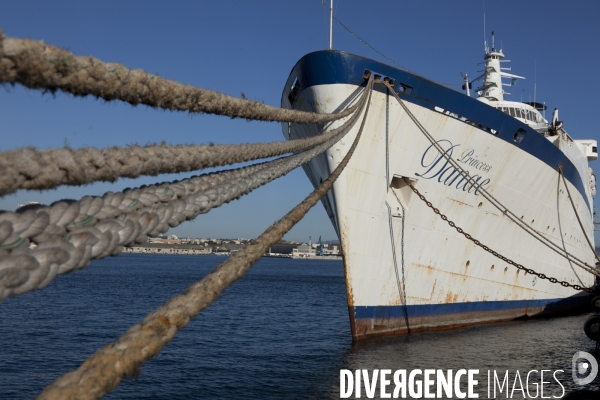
x: 437, y: 166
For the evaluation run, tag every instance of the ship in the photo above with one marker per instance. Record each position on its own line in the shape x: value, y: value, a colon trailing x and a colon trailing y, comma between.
x: 427, y: 147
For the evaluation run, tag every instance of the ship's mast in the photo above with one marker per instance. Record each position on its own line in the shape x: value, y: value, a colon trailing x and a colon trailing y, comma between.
x: 331, y: 25
x: 492, y: 75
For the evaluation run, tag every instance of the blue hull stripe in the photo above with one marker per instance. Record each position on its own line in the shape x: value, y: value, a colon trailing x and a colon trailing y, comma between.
x: 330, y: 67
x: 385, y: 312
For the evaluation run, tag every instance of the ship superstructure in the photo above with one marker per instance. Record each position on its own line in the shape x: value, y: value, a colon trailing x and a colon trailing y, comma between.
x: 406, y: 269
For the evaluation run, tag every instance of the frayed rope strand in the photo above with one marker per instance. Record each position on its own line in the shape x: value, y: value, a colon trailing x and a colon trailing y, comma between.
x: 37, y: 65
x: 70, y: 234
x: 28, y: 168
x: 103, y: 371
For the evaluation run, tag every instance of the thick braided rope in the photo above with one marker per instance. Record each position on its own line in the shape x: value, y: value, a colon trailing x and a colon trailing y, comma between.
x: 28, y: 168
x: 114, y: 204
x: 70, y: 235
x: 103, y: 371
x: 61, y: 249
x: 40, y: 66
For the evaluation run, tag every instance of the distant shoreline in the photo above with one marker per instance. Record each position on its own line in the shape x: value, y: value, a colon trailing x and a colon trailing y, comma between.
x: 173, y: 250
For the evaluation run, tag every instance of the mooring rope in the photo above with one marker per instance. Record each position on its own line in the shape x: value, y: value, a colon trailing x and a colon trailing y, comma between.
x: 562, y: 175
x: 103, y: 371
x: 495, y: 202
x: 28, y: 168
x: 37, y: 65
x: 69, y: 235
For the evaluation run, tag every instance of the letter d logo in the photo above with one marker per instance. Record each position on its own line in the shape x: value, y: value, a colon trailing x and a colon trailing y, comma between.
x: 583, y: 367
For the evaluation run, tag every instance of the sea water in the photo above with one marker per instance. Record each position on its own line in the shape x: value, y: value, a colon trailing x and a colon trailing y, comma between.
x: 282, y: 331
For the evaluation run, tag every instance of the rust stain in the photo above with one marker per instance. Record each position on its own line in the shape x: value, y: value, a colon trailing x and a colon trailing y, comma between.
x: 397, y: 302
x: 451, y: 297
x: 433, y: 289
x: 429, y: 267
x: 462, y: 203
x: 366, y: 328
x: 348, y: 279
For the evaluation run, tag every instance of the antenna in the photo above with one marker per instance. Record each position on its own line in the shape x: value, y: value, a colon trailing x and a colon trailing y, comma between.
x: 493, y: 47
x: 331, y: 26
x: 484, y: 38
x: 544, y: 110
x: 534, y: 80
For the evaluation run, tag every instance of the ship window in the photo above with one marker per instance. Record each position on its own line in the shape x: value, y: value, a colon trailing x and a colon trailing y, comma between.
x: 512, y: 111
x: 519, y: 135
x: 519, y: 115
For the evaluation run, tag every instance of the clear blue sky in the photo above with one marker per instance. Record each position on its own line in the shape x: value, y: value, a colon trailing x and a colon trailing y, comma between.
x: 250, y: 47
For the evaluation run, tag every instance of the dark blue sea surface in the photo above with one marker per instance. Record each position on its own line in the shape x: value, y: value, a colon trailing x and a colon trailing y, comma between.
x: 280, y: 332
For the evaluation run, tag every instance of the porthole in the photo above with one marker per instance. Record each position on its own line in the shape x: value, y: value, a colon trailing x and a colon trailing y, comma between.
x: 519, y: 135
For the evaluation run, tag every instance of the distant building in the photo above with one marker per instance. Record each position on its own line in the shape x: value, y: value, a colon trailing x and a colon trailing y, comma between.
x: 304, y: 250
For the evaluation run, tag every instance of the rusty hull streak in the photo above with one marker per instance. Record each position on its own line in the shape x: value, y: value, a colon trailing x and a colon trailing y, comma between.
x: 451, y: 297
x: 367, y: 328
x: 347, y: 279
x: 460, y: 203
x: 432, y: 289
x: 463, y: 277
x: 362, y: 328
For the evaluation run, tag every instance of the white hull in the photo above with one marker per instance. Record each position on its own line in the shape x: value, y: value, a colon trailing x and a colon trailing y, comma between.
x: 448, y: 280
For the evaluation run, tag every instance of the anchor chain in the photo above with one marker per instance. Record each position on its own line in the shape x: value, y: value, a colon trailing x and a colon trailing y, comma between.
x: 495, y: 202
x: 491, y: 251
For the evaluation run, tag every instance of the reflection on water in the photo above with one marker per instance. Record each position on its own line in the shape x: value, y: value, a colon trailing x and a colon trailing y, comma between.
x: 281, y: 332
x: 523, y: 346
